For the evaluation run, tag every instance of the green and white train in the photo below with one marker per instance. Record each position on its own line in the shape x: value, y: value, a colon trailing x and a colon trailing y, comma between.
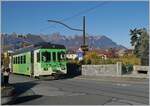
x: 40, y: 59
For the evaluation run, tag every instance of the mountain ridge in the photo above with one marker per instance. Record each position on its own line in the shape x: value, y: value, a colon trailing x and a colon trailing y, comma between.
x: 97, y: 41
x: 71, y: 42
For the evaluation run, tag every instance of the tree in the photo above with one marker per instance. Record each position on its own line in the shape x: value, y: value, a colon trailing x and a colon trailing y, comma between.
x: 91, y: 58
x: 140, y: 41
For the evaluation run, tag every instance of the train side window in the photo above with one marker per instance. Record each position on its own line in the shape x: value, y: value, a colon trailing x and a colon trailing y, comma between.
x: 61, y: 56
x: 54, y: 56
x: 13, y: 60
x: 24, y: 59
x: 48, y: 56
x: 16, y: 60
x: 38, y: 57
x: 58, y: 56
x: 21, y: 60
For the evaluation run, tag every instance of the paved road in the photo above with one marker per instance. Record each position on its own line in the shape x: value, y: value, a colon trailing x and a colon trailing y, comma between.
x: 77, y: 91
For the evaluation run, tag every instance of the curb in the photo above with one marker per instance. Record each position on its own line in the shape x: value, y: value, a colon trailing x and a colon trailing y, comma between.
x: 117, y: 76
x: 122, y: 79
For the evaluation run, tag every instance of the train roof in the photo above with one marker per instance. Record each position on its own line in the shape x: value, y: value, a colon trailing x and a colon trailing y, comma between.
x: 50, y: 46
x: 39, y: 46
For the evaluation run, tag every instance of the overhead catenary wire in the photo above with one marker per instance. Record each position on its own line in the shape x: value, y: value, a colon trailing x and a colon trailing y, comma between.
x: 78, y: 14
x: 65, y: 25
x: 84, y: 11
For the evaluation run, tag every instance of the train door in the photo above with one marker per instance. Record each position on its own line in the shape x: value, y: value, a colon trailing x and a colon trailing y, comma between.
x: 37, y: 67
x: 32, y: 63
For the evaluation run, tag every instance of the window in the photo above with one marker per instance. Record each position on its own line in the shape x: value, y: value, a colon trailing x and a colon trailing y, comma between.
x: 54, y: 56
x: 46, y: 56
x: 14, y: 60
x: 38, y: 57
x: 24, y: 59
x: 21, y: 59
x: 61, y: 56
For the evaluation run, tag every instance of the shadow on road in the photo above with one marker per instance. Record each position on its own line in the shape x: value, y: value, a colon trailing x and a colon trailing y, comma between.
x: 73, y: 69
x: 20, y: 89
x: 23, y: 99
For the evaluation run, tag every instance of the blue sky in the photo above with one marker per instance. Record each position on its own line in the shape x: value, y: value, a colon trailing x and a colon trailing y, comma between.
x: 110, y: 18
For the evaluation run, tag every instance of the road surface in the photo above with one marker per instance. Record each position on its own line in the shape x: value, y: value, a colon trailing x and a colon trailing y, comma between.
x: 79, y: 91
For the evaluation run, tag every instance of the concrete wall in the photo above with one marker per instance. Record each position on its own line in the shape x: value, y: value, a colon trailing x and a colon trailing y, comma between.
x: 102, y: 70
x: 137, y: 68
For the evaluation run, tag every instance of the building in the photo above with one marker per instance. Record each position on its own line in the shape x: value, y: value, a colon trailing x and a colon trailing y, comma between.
x: 71, y: 56
x: 123, y: 52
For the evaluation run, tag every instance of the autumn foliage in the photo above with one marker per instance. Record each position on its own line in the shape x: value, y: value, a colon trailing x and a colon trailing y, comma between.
x: 94, y: 58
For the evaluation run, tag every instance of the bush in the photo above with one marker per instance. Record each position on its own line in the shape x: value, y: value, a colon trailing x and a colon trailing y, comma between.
x: 132, y: 59
x: 124, y: 68
x: 127, y: 68
x: 93, y: 58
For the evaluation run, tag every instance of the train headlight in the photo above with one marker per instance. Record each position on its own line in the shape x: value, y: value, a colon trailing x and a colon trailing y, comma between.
x: 63, y: 68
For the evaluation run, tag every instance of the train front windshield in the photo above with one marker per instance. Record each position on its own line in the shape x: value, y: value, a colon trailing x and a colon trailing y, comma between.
x: 53, y: 56
x: 61, y: 56
x: 46, y: 56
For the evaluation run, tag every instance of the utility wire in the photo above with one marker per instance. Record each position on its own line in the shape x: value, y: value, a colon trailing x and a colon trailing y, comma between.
x: 78, y: 14
x: 84, y: 11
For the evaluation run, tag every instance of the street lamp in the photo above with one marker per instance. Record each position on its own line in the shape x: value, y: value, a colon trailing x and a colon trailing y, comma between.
x: 84, y: 46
